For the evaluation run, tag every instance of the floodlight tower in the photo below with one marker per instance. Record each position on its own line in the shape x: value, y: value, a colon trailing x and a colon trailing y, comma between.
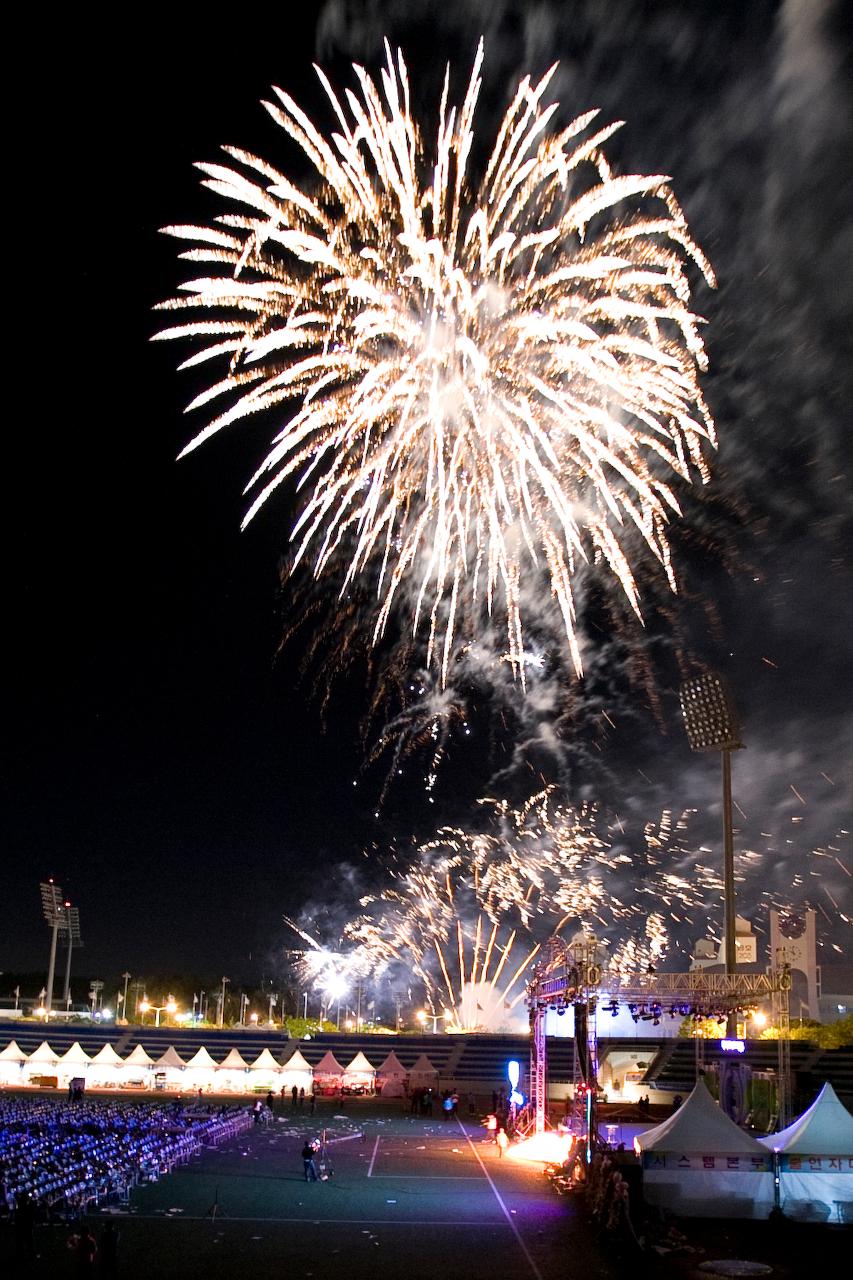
x: 54, y: 913
x: 712, y: 725
x: 70, y: 932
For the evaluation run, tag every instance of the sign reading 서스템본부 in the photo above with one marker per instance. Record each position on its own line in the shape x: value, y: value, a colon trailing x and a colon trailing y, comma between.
x: 653, y: 1160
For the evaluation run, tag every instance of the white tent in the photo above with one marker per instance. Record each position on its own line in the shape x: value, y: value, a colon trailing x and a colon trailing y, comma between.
x: 700, y: 1164
x: 391, y: 1076
x: 73, y: 1064
x: 200, y: 1071
x: 359, y: 1074
x: 43, y: 1061
x: 328, y: 1073
x: 137, y: 1066
x: 169, y: 1069
x: 815, y: 1159
x: 105, y: 1068
x: 297, y: 1073
x: 423, y: 1074
x: 264, y: 1072
x: 12, y: 1060
x: 232, y: 1072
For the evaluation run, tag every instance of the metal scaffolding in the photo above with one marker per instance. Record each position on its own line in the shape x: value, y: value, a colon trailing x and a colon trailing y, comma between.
x: 569, y: 974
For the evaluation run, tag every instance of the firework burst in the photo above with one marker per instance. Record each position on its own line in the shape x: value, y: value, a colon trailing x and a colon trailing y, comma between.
x: 470, y: 916
x: 474, y: 377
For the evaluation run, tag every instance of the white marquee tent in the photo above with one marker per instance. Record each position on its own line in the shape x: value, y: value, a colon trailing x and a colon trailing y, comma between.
x: 700, y: 1164
x: 105, y: 1068
x: 328, y: 1073
x: 73, y: 1064
x: 391, y: 1076
x: 43, y: 1061
x: 359, y: 1074
x: 200, y: 1071
x: 296, y: 1073
x: 815, y: 1156
x: 264, y: 1072
x: 137, y: 1067
x: 12, y: 1060
x: 170, y: 1066
x: 423, y: 1074
x: 232, y: 1072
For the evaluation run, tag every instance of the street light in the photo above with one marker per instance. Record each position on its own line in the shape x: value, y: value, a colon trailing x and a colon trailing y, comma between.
x: 145, y: 1006
x: 423, y: 1017
x: 712, y: 725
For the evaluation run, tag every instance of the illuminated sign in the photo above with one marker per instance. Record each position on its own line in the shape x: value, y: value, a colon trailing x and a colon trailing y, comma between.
x: 733, y: 1046
x: 513, y: 1071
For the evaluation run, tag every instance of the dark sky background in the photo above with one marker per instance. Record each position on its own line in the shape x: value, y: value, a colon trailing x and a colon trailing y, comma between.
x: 161, y: 763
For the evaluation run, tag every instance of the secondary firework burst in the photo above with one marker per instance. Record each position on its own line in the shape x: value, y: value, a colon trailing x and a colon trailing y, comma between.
x: 471, y: 914
x: 483, y: 364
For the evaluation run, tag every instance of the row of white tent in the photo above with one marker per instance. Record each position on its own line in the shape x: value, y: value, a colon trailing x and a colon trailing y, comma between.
x: 106, y: 1069
x: 699, y: 1163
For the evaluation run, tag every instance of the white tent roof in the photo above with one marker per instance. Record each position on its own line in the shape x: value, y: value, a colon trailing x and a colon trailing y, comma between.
x: 171, y: 1058
x: 43, y: 1053
x: 201, y: 1058
x: 360, y: 1066
x: 107, y: 1057
x: 698, y: 1127
x: 12, y: 1053
x: 265, y: 1062
x: 234, y: 1061
x: 297, y: 1063
x: 328, y: 1065
x: 392, y: 1066
x: 826, y: 1129
x: 138, y: 1058
x: 423, y: 1067
x: 76, y: 1055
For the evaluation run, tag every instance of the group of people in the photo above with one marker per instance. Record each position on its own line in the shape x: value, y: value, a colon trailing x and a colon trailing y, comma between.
x: 59, y: 1160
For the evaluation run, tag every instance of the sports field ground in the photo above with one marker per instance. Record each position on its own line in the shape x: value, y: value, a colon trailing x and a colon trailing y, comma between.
x: 408, y: 1198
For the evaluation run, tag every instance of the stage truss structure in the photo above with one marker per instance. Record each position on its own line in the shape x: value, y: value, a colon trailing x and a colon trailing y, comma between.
x: 571, y: 975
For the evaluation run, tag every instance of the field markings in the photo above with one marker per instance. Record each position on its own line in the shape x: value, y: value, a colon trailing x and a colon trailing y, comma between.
x: 373, y: 1157
x: 533, y: 1267
x: 313, y: 1222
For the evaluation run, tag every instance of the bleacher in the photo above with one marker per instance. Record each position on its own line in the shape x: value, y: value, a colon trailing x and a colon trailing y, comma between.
x: 673, y: 1068
x: 470, y: 1060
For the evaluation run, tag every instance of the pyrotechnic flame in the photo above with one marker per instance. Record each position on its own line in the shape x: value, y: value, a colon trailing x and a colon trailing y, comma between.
x: 474, y: 378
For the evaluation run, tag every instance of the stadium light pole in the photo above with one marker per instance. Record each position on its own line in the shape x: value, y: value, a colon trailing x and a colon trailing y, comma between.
x: 70, y: 931
x: 52, y: 906
x: 712, y: 725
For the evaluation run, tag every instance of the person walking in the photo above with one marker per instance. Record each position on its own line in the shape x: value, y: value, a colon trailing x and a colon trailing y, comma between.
x: 308, y: 1162
x: 294, y: 1098
x: 302, y: 1098
x: 313, y: 1102
x: 503, y: 1142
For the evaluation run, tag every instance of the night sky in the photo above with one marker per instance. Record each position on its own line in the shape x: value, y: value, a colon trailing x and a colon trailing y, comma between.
x: 164, y: 764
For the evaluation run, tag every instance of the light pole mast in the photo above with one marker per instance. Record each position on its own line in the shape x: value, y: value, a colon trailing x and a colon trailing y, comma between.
x: 51, y: 901
x: 225, y: 981
x: 712, y: 725
x: 70, y: 930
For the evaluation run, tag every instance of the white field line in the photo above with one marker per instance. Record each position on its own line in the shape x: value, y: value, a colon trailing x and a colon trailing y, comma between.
x: 533, y: 1267
x: 373, y: 1157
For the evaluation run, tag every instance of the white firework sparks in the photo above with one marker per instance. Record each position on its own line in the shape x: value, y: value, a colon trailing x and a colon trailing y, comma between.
x: 473, y: 377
